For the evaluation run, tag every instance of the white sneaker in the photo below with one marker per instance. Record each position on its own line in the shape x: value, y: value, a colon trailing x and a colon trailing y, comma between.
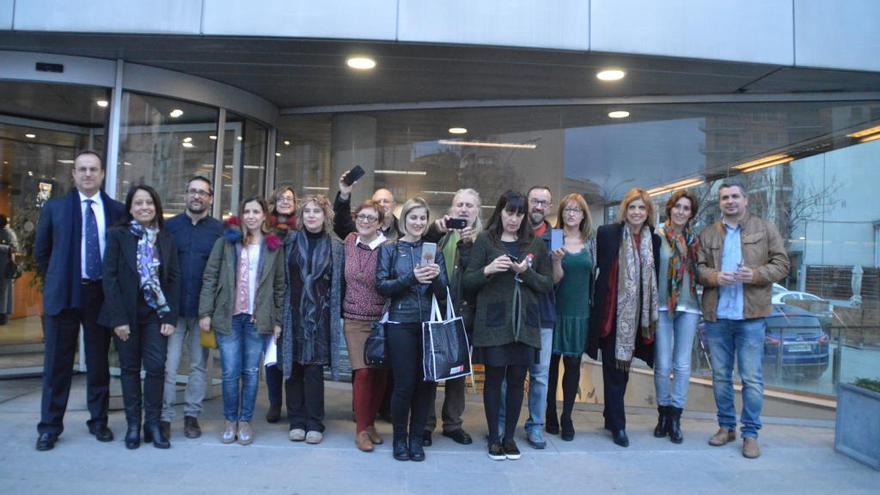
x: 314, y: 437
x: 297, y: 435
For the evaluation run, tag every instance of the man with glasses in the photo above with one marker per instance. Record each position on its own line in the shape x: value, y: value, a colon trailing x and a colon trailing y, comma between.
x: 195, y: 231
x: 342, y: 221
x: 540, y: 203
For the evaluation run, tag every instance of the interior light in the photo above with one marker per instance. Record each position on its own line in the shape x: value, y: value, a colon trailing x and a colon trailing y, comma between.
x: 865, y: 132
x: 401, y: 172
x: 30, y: 135
x: 63, y: 162
x: 872, y: 137
x: 483, y: 144
x: 760, y: 163
x: 316, y: 188
x: 176, y: 113
x: 675, y: 186
x: 188, y: 145
x: 187, y: 139
x: 102, y: 103
x: 618, y: 114
x: 361, y: 63
x: 286, y: 143
x: 611, y: 75
x: 212, y: 137
x: 457, y: 130
x: 277, y: 154
x: 239, y: 138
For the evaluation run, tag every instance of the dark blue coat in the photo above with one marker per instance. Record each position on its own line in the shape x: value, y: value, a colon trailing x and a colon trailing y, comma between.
x: 194, y: 244
x: 57, y: 249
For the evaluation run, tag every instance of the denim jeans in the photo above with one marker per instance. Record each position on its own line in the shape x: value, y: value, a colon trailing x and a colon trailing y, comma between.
x: 538, y: 375
x: 672, y: 354
x: 240, y: 358
x: 187, y: 331
x: 742, y: 340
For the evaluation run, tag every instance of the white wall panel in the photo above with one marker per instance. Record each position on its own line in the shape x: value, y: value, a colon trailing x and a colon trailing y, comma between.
x: 837, y: 34
x: 368, y: 19
x: 741, y: 30
x: 6, y: 9
x: 562, y: 24
x: 109, y: 16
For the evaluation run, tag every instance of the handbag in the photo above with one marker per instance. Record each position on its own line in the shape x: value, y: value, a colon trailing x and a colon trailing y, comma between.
x: 208, y: 339
x: 446, y: 352
x: 375, y: 347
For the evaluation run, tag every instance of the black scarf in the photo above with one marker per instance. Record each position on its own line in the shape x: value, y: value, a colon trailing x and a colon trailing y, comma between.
x: 312, y: 268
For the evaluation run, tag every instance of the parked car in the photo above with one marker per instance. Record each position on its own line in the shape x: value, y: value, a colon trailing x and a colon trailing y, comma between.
x: 822, y: 308
x: 795, y: 344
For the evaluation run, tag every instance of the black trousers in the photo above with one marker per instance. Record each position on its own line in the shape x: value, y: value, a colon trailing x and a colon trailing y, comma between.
x: 305, y: 397
x: 412, y: 395
x: 274, y: 384
x: 570, y: 381
x: 146, y: 347
x: 615, y: 381
x: 61, y: 334
x: 515, y: 375
x: 453, y: 406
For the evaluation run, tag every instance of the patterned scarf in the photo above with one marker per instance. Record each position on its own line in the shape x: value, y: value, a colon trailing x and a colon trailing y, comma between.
x: 148, y: 267
x: 684, y: 246
x: 637, y: 301
x: 311, y: 270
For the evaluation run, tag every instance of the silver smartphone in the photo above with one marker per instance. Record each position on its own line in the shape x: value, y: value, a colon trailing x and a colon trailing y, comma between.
x: 429, y: 253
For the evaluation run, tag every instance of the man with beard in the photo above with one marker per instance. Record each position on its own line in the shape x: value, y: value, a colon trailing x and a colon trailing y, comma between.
x: 540, y: 203
x: 195, y: 231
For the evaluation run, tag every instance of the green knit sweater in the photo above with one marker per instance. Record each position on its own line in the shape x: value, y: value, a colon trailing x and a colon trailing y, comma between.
x: 496, y: 322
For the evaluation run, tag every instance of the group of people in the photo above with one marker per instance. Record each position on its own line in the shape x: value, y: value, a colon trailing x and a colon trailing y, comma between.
x: 292, y: 278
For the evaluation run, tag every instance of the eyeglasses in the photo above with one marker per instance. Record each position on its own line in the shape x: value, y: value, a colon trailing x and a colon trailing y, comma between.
x: 539, y: 202
x: 572, y: 211
x: 367, y: 218
x: 286, y: 199
x: 198, y: 192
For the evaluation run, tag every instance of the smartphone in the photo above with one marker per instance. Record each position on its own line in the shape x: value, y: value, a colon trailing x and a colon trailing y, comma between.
x: 429, y: 253
x: 556, y: 240
x: 456, y: 223
x: 513, y: 258
x: 354, y: 174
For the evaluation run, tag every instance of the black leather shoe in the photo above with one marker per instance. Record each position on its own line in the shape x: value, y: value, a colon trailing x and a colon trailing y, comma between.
x: 674, y: 427
x: 401, y: 450
x: 46, y: 441
x: 426, y: 439
x: 154, y: 434
x: 101, y: 432
x: 416, y: 451
x: 165, y: 428
x: 620, y: 438
x: 273, y: 414
x: 459, y: 436
x: 662, y: 428
x: 567, y: 433
x: 191, y: 428
x: 133, y: 437
x: 551, y: 424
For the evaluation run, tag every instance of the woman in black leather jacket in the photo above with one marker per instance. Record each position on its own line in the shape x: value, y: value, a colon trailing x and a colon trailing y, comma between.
x: 409, y: 284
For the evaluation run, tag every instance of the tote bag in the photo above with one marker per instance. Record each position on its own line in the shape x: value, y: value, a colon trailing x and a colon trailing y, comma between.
x: 446, y: 351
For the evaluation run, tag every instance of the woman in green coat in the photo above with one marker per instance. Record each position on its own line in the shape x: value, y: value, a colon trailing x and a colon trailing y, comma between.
x: 507, y: 270
x: 242, y: 296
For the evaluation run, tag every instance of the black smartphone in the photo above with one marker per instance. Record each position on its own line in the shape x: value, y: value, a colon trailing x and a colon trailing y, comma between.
x: 354, y: 174
x: 456, y: 223
x: 513, y: 258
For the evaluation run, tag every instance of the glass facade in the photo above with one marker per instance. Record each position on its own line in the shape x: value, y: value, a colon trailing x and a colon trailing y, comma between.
x: 818, y: 195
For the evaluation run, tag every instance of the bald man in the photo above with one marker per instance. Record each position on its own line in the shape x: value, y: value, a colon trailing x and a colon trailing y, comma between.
x: 343, y: 224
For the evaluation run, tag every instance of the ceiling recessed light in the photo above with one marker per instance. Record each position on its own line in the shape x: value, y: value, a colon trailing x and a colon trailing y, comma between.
x: 277, y: 154
x: 457, y: 130
x: 611, y: 75
x: 286, y: 143
x: 361, y: 63
x: 127, y: 164
x: 102, y: 103
x: 212, y: 137
x: 30, y: 135
x: 5, y: 162
x: 187, y: 139
x: 618, y: 114
x: 175, y: 113
x: 188, y: 145
x: 239, y: 138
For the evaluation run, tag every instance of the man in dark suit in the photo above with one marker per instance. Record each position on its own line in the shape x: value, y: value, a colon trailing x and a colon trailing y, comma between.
x: 69, y: 249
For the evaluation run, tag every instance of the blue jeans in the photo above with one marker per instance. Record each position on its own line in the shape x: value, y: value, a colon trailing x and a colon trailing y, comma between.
x: 672, y: 354
x: 538, y: 375
x: 240, y: 358
x: 744, y: 341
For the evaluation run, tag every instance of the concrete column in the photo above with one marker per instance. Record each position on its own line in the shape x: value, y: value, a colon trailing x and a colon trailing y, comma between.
x: 353, y: 142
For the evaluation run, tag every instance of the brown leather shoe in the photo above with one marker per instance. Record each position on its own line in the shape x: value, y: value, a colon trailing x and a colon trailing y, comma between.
x: 374, y: 435
x: 245, y: 433
x: 191, y: 427
x: 363, y: 442
x: 751, y: 450
x: 165, y: 428
x: 722, y: 437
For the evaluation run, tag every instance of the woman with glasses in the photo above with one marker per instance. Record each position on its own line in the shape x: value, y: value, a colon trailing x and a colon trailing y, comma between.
x: 626, y: 303
x: 312, y: 317
x: 361, y: 306
x: 679, y: 313
x: 509, y: 268
x: 141, y: 303
x: 282, y: 220
x: 573, y: 264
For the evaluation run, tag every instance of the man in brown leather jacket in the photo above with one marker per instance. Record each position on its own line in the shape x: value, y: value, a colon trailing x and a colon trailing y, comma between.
x: 739, y: 259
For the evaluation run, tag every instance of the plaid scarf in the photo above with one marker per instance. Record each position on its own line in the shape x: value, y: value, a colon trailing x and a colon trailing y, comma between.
x: 684, y: 247
x: 637, y: 301
x: 148, y: 267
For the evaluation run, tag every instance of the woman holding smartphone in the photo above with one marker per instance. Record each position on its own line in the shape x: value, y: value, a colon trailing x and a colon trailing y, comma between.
x: 408, y: 283
x: 508, y: 269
